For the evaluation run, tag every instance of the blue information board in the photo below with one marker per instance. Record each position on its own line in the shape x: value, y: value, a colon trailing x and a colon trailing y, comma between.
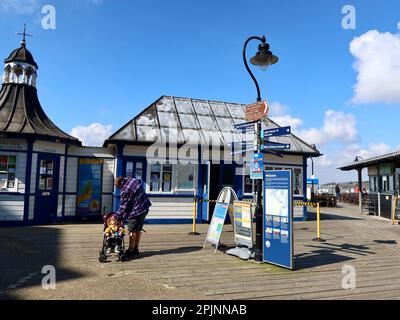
x: 278, y: 218
x: 217, y: 224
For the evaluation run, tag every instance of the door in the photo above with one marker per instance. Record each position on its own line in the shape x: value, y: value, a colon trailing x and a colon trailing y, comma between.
x: 47, y: 189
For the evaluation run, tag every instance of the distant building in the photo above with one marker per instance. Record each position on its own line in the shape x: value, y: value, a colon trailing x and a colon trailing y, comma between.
x: 384, y: 180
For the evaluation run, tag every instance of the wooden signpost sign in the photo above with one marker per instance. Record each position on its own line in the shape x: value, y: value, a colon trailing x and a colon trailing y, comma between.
x: 257, y: 111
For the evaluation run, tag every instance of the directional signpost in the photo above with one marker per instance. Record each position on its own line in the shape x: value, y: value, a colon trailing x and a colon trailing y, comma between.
x: 276, y: 146
x: 276, y: 132
x: 261, y: 145
x: 257, y: 111
x: 243, y: 127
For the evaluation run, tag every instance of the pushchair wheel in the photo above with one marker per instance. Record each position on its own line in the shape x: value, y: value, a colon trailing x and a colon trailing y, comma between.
x: 103, y: 258
x: 123, y: 258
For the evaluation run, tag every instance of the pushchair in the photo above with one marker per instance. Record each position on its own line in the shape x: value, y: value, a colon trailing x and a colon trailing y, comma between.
x: 106, y: 249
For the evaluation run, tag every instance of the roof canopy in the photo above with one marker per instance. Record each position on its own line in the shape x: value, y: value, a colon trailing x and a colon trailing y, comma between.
x: 184, y: 120
x: 394, y: 156
x: 21, y: 115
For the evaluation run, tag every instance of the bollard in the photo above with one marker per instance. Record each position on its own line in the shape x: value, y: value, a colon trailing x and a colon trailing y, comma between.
x: 194, y: 226
x: 318, y: 238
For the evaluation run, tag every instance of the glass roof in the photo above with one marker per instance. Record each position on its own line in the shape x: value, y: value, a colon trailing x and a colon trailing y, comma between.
x: 183, y: 120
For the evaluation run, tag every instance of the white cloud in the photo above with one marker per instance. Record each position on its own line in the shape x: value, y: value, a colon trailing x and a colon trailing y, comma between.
x: 378, y: 66
x: 287, y: 120
x: 24, y: 7
x: 278, y: 109
x: 93, y: 135
x: 338, y: 127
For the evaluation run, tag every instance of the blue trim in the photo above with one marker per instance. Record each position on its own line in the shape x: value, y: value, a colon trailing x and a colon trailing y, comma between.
x: 16, y: 223
x: 119, y: 172
x: 65, y: 180
x: 200, y: 186
x: 168, y: 221
x: 12, y: 194
x: 28, y: 174
x: 13, y: 151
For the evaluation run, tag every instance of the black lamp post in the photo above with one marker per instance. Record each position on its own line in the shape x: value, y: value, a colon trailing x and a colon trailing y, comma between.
x: 263, y: 59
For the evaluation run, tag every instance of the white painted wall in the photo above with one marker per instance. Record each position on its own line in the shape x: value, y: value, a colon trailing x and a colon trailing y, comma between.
x: 108, y: 175
x: 11, y: 208
x: 168, y: 208
x: 70, y: 205
x: 72, y: 175
x: 107, y: 201
x: 61, y: 177
x: 31, y: 207
x: 33, y: 173
x: 49, y: 147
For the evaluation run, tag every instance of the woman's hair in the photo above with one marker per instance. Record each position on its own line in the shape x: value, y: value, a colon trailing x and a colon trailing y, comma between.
x: 118, y: 181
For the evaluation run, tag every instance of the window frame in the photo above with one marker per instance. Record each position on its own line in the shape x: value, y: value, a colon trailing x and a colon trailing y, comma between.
x: 269, y: 166
x: 174, y: 179
x: 148, y: 180
x: 15, y: 188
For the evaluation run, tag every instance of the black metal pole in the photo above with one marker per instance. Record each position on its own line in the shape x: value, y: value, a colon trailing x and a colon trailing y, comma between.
x: 259, y: 184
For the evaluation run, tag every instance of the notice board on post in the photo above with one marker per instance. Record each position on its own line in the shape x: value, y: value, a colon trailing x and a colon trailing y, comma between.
x: 217, y: 224
x: 278, y: 219
x: 243, y: 223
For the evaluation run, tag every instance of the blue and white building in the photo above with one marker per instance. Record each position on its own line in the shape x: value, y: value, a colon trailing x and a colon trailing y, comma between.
x: 178, y: 147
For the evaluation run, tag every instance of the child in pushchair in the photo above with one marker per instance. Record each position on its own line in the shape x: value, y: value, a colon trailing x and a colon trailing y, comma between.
x: 113, y: 238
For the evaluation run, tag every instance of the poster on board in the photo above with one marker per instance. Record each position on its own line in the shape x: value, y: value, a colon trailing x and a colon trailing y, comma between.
x: 243, y: 226
x: 278, y: 218
x: 217, y: 224
x: 88, y: 199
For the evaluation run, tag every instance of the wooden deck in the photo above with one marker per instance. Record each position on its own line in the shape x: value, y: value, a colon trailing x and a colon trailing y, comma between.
x: 174, y: 261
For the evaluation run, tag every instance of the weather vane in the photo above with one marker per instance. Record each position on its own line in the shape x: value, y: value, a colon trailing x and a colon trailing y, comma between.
x: 24, y: 34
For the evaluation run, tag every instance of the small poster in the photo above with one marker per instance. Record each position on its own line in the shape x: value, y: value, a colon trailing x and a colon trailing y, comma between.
x: 217, y: 224
x: 257, y: 167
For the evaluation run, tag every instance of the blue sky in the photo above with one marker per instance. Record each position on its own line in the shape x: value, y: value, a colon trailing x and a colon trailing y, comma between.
x: 106, y: 60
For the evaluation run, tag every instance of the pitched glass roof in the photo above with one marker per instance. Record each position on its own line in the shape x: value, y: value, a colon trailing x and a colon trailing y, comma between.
x: 183, y: 120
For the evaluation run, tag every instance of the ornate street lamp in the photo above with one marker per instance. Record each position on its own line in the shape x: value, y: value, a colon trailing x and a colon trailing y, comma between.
x: 263, y: 59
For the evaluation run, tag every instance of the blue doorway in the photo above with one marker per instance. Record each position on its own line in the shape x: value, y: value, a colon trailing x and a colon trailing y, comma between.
x: 48, y: 171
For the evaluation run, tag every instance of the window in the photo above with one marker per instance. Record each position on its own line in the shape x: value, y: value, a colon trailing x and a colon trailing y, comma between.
x: 7, y: 172
x: 249, y: 185
x: 160, y: 178
x: 167, y: 178
x: 387, y: 183
x: 373, y: 184
x: 185, y: 177
x: 297, y: 182
x: 46, y: 175
x: 131, y: 172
